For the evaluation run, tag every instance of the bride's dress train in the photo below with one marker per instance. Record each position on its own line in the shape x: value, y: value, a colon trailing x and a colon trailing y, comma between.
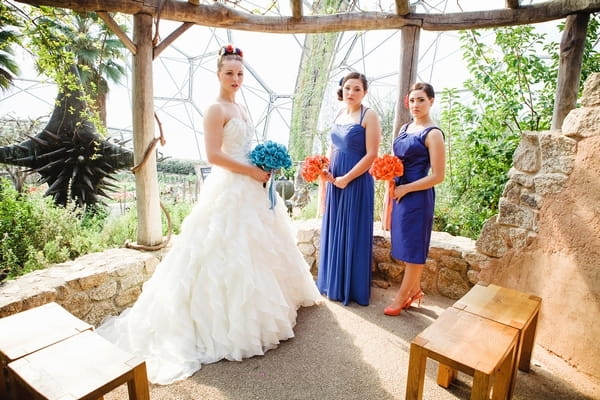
x: 230, y: 286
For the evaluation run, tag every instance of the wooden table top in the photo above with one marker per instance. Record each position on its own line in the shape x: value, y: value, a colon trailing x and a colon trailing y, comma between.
x: 468, y: 339
x: 504, y: 305
x: 36, y: 328
x: 75, y: 367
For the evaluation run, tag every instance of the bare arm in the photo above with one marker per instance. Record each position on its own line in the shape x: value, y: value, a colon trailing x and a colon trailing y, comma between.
x: 214, y: 122
x: 372, y: 141
x: 437, y: 155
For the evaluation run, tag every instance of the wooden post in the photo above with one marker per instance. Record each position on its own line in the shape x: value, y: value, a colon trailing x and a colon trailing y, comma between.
x: 149, y: 229
x: 409, y: 60
x: 571, y: 50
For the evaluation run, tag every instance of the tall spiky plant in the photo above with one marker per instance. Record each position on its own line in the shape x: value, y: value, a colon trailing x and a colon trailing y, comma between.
x: 8, y: 38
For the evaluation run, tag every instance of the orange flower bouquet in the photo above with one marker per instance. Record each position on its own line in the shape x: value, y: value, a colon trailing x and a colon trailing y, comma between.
x: 386, y: 167
x: 313, y: 167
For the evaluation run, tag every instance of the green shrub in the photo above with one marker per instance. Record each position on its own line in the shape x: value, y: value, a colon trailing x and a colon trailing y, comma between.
x: 35, y: 232
x: 119, y: 229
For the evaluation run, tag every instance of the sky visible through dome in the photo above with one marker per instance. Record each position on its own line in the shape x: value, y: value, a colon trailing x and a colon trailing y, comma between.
x: 185, y: 82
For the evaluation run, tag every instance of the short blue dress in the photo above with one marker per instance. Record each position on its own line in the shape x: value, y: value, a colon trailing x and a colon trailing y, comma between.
x: 347, y: 228
x: 412, y: 217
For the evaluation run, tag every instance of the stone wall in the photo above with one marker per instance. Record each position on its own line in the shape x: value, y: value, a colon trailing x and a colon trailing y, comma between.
x: 546, y: 238
x: 452, y: 267
x: 101, y: 284
x: 91, y: 287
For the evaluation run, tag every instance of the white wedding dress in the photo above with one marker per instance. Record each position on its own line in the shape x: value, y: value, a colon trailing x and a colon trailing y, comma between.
x: 230, y: 286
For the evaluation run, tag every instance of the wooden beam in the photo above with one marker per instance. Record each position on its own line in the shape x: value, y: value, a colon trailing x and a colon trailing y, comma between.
x: 171, y: 38
x: 149, y: 228
x: 220, y: 16
x: 117, y: 31
x: 572, y: 46
x: 402, y: 7
x: 512, y: 3
x: 410, y: 38
x: 296, y: 9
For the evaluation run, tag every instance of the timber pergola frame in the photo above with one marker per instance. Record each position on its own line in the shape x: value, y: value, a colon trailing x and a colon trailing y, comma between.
x: 218, y: 15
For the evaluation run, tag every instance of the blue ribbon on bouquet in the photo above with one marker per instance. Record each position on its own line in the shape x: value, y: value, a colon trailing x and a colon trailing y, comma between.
x: 272, y: 193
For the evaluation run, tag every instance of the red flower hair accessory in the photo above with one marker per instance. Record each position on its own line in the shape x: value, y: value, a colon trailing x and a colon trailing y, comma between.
x: 230, y: 50
x: 313, y: 167
x: 387, y: 167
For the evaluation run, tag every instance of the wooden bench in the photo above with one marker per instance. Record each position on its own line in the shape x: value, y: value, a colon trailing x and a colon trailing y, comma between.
x: 28, y: 331
x: 85, y: 367
x: 508, y: 307
x: 477, y: 346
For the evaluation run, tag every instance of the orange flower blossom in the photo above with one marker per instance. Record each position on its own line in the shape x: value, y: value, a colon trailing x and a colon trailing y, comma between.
x: 386, y: 167
x: 313, y: 167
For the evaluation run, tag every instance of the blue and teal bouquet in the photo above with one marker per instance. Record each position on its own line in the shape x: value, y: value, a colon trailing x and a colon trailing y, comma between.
x: 271, y: 156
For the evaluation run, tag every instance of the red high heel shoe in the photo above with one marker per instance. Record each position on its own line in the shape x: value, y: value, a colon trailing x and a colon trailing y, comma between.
x: 396, y: 311
x: 417, y: 297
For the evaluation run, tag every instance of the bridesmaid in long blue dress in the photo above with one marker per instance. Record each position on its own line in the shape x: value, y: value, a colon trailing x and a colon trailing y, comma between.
x: 347, y: 228
x: 420, y: 146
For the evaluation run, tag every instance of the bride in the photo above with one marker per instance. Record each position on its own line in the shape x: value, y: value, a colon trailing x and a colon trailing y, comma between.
x: 230, y: 286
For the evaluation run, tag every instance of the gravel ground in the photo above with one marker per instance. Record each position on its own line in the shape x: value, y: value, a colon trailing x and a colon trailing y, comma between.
x: 356, y: 352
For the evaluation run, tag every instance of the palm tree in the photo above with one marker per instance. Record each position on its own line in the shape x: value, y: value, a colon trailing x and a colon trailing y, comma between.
x: 8, y: 66
x: 79, y: 53
x: 97, y: 51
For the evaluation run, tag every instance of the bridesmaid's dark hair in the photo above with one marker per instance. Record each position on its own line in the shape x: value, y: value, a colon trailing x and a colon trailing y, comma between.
x: 426, y: 87
x: 229, y: 52
x: 352, y: 75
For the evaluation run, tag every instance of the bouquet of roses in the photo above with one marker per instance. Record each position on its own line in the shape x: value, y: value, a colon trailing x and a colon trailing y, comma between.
x: 386, y: 168
x: 313, y: 167
x: 271, y: 156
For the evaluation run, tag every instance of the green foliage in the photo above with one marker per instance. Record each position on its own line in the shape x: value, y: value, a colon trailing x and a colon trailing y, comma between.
x: 310, y: 210
x: 119, y: 229
x: 287, y: 173
x: 512, y: 89
x: 591, y: 57
x: 173, y: 166
x: 8, y: 38
x: 62, y: 39
x: 35, y: 232
x: 482, y: 136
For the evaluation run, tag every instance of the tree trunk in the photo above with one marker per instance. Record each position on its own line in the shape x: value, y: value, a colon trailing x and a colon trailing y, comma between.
x: 146, y: 178
x: 572, y: 46
x: 313, y: 75
x: 409, y: 60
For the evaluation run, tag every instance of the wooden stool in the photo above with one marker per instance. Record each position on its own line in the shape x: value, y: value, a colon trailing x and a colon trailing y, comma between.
x: 506, y: 306
x: 28, y: 331
x: 85, y: 366
x: 472, y: 344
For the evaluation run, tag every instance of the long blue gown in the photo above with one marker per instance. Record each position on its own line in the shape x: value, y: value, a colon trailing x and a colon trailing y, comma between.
x: 347, y: 228
x: 412, y: 217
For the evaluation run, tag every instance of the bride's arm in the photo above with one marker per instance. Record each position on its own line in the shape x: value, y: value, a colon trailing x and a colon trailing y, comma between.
x: 214, y: 121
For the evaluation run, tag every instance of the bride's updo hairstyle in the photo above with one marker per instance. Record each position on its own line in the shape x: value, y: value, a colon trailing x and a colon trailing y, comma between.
x: 352, y: 75
x: 229, y: 52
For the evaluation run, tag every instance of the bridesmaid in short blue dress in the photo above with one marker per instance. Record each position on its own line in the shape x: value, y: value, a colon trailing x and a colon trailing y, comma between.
x: 413, y: 215
x: 420, y: 146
